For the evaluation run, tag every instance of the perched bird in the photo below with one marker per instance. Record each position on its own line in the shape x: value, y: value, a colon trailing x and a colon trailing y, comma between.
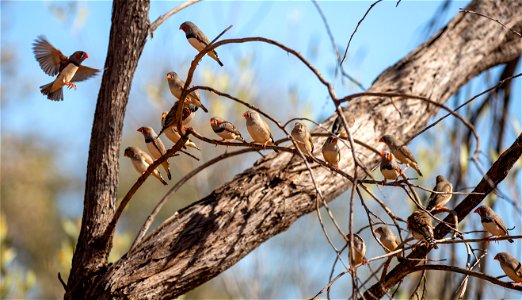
x: 173, y: 134
x: 53, y: 62
x: 142, y: 161
x: 439, y: 200
x: 390, y: 169
x: 511, y: 266
x: 303, y: 139
x: 155, y: 146
x: 225, y: 129
x: 357, y: 256
x: 169, y: 119
x: 331, y: 151
x: 420, y: 226
x: 402, y: 153
x: 198, y: 39
x: 176, y: 87
x: 492, y: 222
x: 258, y: 128
x: 387, y: 238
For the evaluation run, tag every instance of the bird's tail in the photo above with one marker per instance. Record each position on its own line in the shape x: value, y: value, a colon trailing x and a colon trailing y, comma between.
x: 214, y: 55
x: 158, y: 175
x: 55, y: 96
x: 169, y: 176
x: 432, y: 242
x: 416, y: 167
x: 203, y: 107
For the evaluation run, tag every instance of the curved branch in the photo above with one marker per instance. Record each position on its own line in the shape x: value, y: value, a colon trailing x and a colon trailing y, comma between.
x: 168, y: 14
x: 494, y: 176
x: 466, y: 272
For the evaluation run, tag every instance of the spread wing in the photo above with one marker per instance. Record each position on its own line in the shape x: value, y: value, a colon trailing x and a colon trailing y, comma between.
x: 51, y: 60
x: 84, y: 73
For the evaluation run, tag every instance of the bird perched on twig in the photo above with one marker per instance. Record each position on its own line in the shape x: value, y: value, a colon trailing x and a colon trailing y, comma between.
x: 331, y: 151
x: 155, y: 146
x: 492, y: 222
x: 303, y: 139
x: 198, y: 39
x: 258, y: 128
x: 176, y: 88
x: 357, y: 256
x: 173, y: 134
x: 387, y: 238
x: 390, y: 169
x: 69, y: 69
x: 225, y: 129
x: 142, y: 161
x: 402, y: 153
x: 439, y: 200
x: 421, y: 227
x: 169, y: 119
x: 511, y: 266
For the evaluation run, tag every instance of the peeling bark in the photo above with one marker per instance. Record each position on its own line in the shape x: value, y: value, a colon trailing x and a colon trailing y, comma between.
x: 203, y: 240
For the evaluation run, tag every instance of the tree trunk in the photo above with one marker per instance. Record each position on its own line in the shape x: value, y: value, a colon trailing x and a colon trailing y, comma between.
x: 127, y: 39
x: 206, y: 238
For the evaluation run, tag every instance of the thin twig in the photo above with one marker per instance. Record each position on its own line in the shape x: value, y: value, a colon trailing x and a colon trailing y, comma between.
x: 488, y: 17
x: 357, y: 27
x: 466, y: 272
x: 171, y: 12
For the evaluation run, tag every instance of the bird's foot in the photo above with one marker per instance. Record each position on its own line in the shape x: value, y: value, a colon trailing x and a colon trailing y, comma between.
x: 70, y: 85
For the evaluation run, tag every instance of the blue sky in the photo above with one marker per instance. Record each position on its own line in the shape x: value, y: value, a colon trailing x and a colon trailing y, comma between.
x: 387, y: 34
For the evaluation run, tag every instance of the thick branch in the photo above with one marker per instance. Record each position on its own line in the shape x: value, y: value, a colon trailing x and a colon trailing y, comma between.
x: 496, y: 174
x: 206, y: 238
x: 127, y: 39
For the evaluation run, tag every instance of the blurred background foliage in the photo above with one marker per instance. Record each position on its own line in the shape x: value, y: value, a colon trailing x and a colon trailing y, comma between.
x: 43, y: 167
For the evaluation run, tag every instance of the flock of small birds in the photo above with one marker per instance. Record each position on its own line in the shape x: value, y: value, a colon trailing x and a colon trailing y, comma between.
x: 70, y: 69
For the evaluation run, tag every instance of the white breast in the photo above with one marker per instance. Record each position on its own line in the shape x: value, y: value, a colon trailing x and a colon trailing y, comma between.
x: 140, y: 165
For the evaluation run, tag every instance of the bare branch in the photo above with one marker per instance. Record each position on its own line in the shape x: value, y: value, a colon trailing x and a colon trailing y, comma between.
x: 168, y: 14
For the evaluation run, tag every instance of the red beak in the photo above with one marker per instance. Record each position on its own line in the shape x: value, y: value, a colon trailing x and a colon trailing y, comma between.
x: 140, y: 129
x: 86, y: 55
x: 245, y: 114
x: 476, y: 211
x: 381, y: 140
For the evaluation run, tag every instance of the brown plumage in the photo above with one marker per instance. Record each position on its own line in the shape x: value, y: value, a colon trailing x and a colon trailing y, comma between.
x: 388, y: 239
x: 53, y: 62
x: 439, y: 200
x: 492, y: 222
x: 402, y: 153
x: 303, y: 139
x: 390, y: 169
x: 331, y: 151
x: 141, y: 161
x: 421, y: 227
x: 511, y: 266
x: 359, y: 251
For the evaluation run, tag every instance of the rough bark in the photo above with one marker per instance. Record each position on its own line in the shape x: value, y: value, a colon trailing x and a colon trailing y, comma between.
x: 206, y: 238
x: 495, y: 175
x: 209, y: 236
x: 127, y: 39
